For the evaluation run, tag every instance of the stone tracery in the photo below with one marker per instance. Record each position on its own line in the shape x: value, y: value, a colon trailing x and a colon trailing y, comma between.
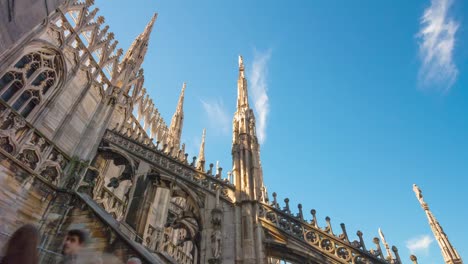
x: 32, y: 78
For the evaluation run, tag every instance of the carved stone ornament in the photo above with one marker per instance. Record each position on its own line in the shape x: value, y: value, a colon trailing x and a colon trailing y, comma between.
x: 216, y: 246
x: 216, y: 235
x: 216, y: 217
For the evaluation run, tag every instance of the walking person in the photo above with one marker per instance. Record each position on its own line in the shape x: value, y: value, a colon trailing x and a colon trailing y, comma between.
x: 22, y: 246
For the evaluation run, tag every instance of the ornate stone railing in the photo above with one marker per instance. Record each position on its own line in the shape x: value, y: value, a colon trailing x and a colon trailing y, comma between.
x: 28, y: 147
x: 338, y: 247
x: 184, y: 171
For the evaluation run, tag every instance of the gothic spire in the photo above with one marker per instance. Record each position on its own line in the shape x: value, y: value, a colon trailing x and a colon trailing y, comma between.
x: 201, y: 154
x: 246, y: 169
x: 177, y: 122
x: 137, y: 51
x: 448, y: 251
x: 242, y: 95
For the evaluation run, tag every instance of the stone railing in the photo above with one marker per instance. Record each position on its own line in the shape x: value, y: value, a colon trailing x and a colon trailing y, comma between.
x: 338, y: 247
x: 162, y: 160
x: 28, y: 147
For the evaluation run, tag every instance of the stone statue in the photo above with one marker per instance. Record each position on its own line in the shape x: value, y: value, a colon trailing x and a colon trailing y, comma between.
x: 216, y: 238
x: 419, y: 195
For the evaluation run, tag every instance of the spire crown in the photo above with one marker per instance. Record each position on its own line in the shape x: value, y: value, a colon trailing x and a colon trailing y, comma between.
x: 177, y: 122
x: 137, y: 50
x: 242, y: 94
x: 180, y: 103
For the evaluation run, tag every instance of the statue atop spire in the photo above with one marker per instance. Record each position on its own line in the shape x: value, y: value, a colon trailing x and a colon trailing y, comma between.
x: 177, y: 122
x: 241, y: 64
x: 448, y: 251
x: 201, y: 154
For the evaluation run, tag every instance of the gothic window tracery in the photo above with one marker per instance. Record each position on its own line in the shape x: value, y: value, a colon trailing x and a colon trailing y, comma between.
x: 30, y: 80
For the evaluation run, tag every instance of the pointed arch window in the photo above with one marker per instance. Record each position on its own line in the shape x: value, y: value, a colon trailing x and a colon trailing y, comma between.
x: 30, y: 80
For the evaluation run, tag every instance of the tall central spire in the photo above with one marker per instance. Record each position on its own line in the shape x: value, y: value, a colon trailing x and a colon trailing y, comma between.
x: 247, y: 173
x: 177, y: 122
x: 245, y: 148
x: 448, y: 251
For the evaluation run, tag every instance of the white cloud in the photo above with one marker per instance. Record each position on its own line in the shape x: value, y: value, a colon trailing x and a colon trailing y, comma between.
x: 258, y: 86
x: 436, y: 46
x: 217, y: 115
x: 419, y: 244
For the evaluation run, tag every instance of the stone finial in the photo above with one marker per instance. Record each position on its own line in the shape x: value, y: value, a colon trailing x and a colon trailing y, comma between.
x: 314, y: 218
x: 361, y: 240
x: 286, y: 207
x: 210, y: 171
x: 397, y: 256
x: 119, y: 52
x: 100, y: 20
x: 110, y: 36
x: 414, y: 259
x: 275, y: 203
x: 376, y: 241
x: 194, y: 160
x: 300, y: 215
x: 344, y: 235
x: 329, y: 226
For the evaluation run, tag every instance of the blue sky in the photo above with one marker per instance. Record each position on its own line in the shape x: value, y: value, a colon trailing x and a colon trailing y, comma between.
x: 361, y: 103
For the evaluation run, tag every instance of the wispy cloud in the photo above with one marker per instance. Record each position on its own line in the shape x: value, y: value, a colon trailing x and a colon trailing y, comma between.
x: 419, y: 244
x: 258, y: 86
x: 217, y: 115
x: 436, y: 46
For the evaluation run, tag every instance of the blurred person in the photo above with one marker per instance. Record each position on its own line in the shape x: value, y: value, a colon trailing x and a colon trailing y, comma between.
x: 74, y: 243
x: 133, y: 260
x: 22, y: 246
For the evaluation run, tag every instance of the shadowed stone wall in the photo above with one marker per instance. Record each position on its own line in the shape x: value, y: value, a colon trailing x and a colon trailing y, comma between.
x: 18, y: 17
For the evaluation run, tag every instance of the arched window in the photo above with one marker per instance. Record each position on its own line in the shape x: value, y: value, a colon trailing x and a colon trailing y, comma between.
x: 30, y: 80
